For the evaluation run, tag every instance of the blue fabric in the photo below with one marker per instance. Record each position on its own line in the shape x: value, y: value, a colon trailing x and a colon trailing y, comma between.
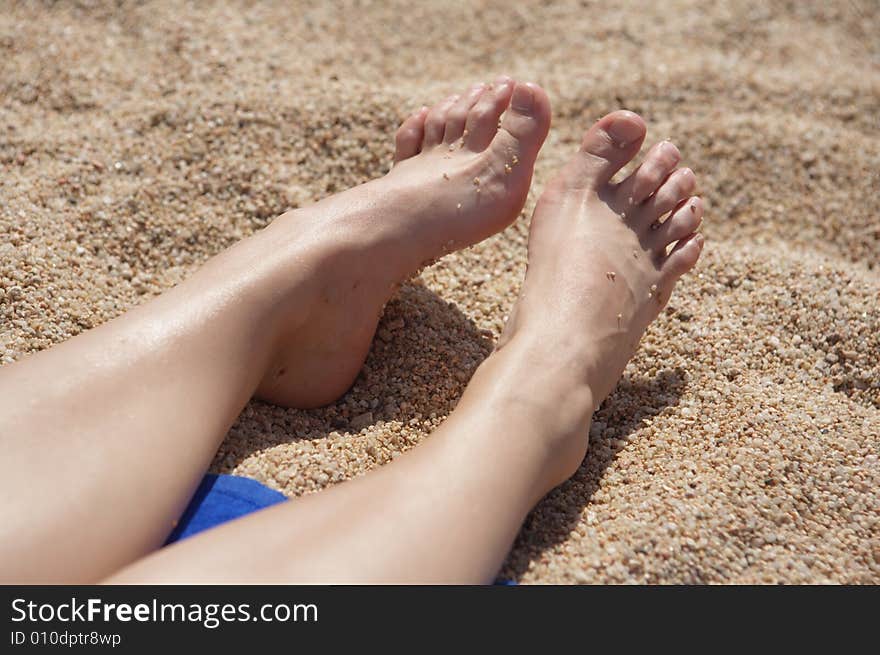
x: 221, y: 498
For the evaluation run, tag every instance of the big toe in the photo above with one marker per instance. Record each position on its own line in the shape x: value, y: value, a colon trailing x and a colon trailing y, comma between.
x: 606, y: 148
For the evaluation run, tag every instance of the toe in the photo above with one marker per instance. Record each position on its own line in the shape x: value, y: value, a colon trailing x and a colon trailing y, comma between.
x: 456, y: 117
x: 482, y: 120
x: 435, y: 122
x: 607, y: 146
x: 683, y: 256
x: 683, y: 221
x: 408, y: 140
x: 647, y: 178
x: 677, y: 187
x: 525, y: 124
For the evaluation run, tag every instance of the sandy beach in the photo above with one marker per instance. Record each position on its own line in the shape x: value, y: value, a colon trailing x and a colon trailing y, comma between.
x: 743, y: 443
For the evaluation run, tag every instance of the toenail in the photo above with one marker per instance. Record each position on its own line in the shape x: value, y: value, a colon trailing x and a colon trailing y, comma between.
x: 670, y: 149
x: 523, y: 99
x: 624, y: 131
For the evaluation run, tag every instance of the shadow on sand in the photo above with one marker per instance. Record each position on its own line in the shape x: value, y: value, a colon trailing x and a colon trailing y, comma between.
x: 552, y: 520
x: 423, y: 370
x: 421, y: 359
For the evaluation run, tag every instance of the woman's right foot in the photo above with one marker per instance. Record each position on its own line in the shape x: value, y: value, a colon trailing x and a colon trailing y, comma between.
x: 462, y: 172
x: 602, y: 264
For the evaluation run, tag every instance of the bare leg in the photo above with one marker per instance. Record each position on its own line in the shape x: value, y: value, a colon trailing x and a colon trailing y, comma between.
x: 447, y: 511
x: 106, y: 436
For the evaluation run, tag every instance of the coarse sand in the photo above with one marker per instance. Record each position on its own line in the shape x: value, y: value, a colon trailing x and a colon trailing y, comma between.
x: 741, y: 446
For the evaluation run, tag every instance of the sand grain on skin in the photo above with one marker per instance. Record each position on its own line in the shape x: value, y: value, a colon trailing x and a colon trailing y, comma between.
x: 136, y: 140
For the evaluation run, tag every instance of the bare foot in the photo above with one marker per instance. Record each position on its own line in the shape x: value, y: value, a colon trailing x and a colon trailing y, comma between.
x: 461, y: 174
x: 602, y: 264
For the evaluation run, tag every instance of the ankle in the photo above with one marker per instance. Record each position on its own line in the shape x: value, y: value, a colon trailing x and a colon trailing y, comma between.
x: 552, y: 381
x: 369, y: 226
x: 589, y: 356
x: 547, y: 394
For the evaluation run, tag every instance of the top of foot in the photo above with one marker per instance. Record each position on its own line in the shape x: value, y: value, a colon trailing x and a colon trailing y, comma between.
x: 604, y: 256
x: 468, y: 161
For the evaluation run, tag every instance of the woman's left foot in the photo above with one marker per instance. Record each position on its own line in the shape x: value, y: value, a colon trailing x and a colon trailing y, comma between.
x: 462, y: 173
